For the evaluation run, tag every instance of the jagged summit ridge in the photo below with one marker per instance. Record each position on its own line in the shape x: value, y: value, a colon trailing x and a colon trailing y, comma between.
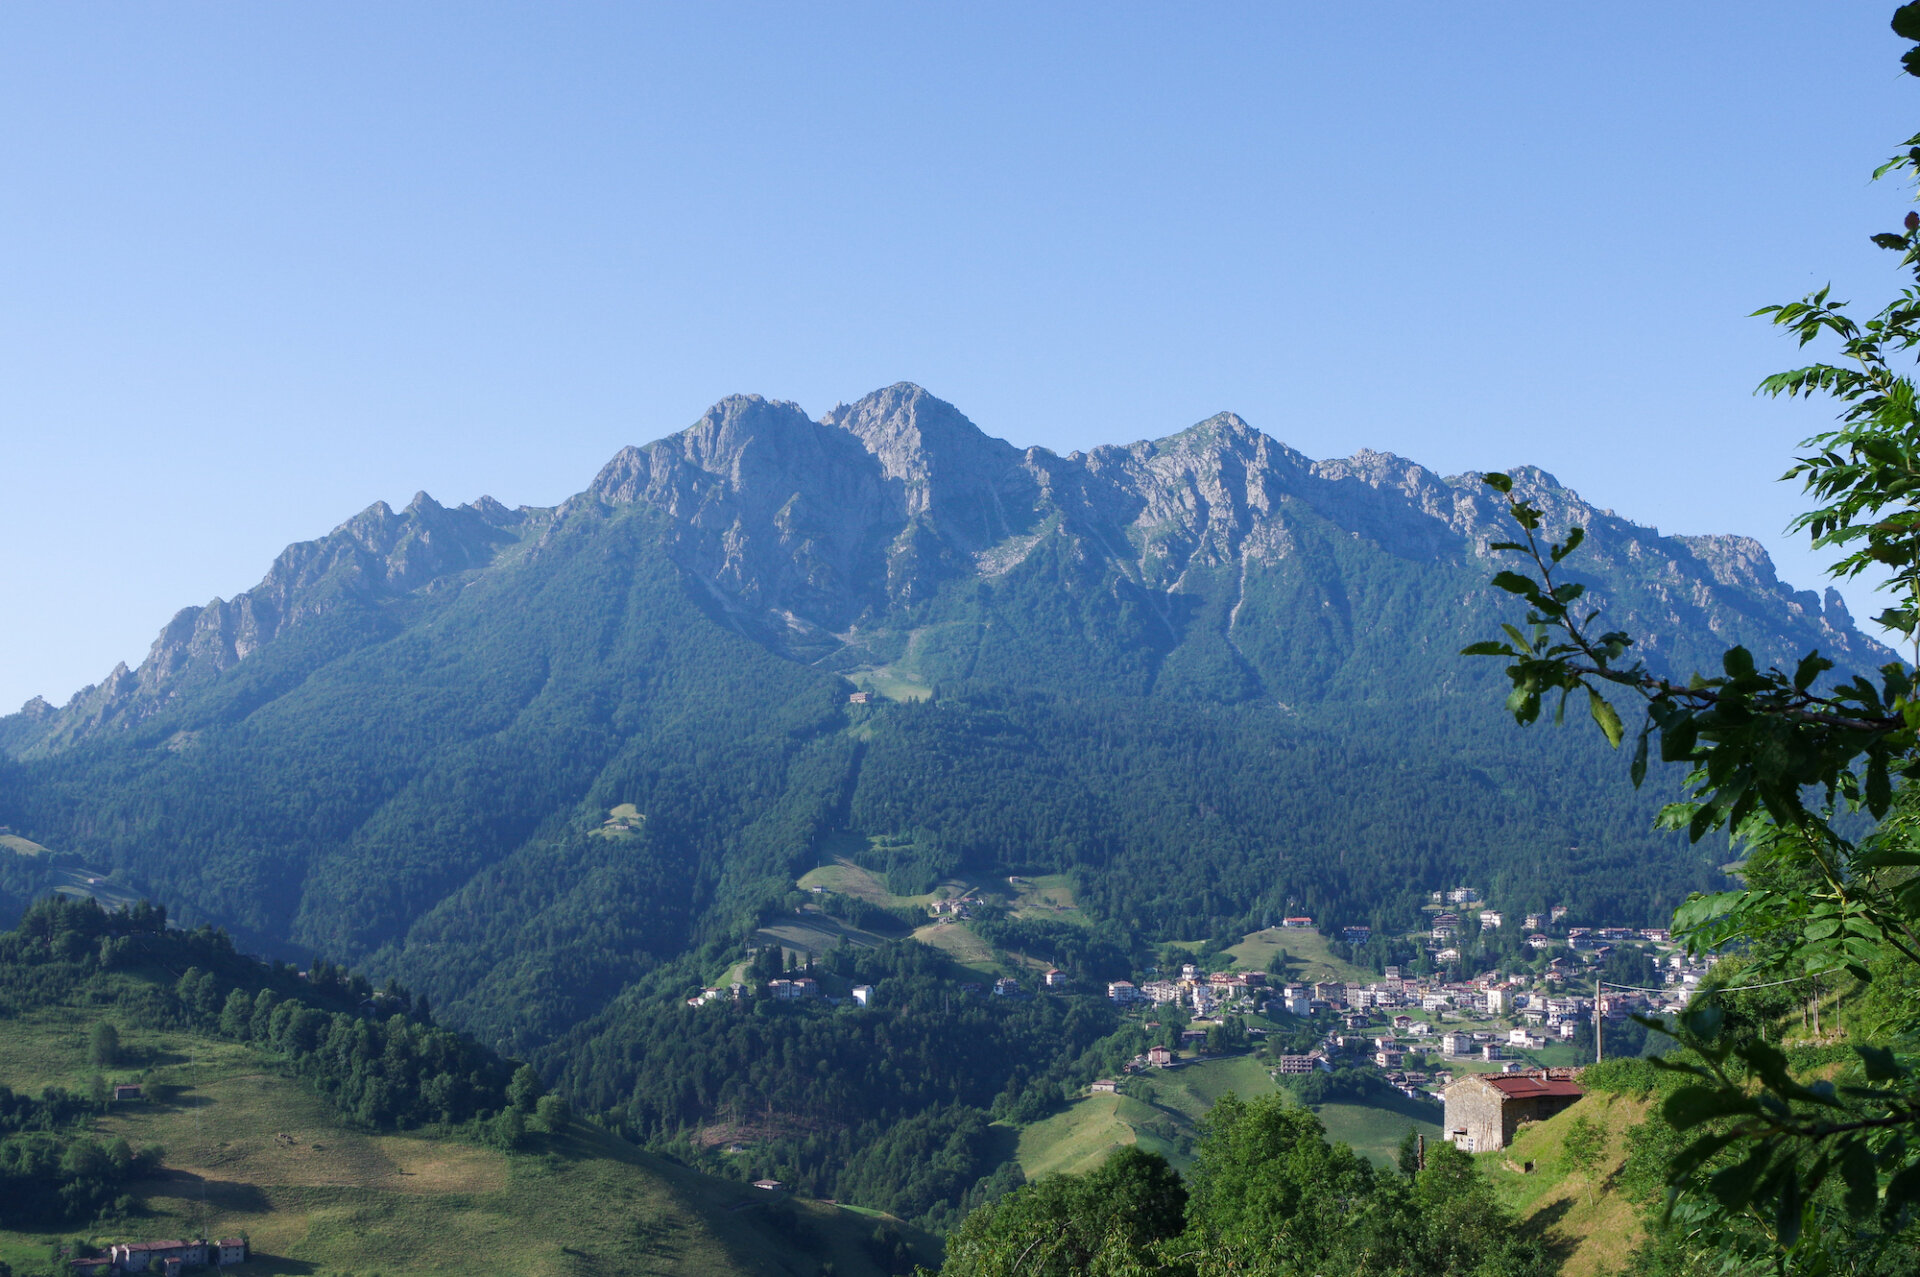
x: 802, y: 531
x: 376, y: 554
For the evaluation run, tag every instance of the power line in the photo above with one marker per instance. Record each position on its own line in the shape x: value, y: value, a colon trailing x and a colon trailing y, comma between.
x: 1794, y: 980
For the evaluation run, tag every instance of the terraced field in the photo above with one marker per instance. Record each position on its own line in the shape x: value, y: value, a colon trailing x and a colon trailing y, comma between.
x: 814, y: 933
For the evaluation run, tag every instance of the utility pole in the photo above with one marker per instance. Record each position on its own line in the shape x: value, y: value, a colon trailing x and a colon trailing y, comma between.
x: 1597, y: 1056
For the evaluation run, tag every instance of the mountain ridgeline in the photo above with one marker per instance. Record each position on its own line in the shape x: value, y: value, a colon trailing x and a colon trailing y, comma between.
x: 1213, y: 680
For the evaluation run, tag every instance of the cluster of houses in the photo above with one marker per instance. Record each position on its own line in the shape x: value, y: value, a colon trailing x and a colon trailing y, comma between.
x: 1202, y: 992
x: 1459, y: 913
x: 797, y: 989
x: 1388, y: 1022
x: 806, y: 988
x: 166, y: 1257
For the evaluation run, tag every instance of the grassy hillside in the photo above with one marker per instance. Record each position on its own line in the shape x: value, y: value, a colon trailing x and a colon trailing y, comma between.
x: 850, y: 879
x: 1048, y: 896
x: 1308, y: 949
x: 1593, y: 1227
x: 1161, y: 1111
x: 1374, y: 1130
x: 250, y: 1150
x: 1079, y: 1139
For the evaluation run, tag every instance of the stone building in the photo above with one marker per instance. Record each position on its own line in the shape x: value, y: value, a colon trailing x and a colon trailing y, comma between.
x: 1483, y: 1112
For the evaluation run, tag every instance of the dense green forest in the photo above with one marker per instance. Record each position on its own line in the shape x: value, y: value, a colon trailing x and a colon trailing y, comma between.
x: 51, y: 1171
x: 887, y: 1105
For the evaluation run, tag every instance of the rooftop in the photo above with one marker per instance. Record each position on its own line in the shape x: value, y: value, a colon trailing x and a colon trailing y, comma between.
x: 1519, y: 1086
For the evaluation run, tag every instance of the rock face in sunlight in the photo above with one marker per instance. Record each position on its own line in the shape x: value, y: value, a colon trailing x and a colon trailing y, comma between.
x: 1204, y: 673
x: 831, y: 537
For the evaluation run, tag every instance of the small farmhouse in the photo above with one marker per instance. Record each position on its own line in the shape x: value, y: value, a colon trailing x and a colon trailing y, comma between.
x: 165, y: 1257
x: 1483, y: 1112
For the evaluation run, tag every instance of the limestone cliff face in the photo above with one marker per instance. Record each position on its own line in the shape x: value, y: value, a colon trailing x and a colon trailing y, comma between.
x: 850, y: 520
x: 805, y: 530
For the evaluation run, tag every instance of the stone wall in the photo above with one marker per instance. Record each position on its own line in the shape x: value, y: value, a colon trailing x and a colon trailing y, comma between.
x: 1478, y: 1110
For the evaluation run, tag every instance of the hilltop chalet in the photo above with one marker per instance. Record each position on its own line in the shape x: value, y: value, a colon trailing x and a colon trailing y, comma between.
x: 1483, y: 1111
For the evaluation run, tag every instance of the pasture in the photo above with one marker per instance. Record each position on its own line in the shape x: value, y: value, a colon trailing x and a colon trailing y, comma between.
x: 1307, y: 948
x: 250, y: 1150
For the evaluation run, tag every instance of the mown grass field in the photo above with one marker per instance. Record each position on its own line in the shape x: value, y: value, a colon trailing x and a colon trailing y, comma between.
x: 1080, y: 1139
x: 1375, y: 1130
x: 814, y: 933
x: 850, y: 879
x: 1313, y: 961
x: 80, y: 881
x: 1192, y: 1089
x: 952, y: 937
x: 892, y: 683
x: 249, y: 1150
x: 1049, y: 896
x: 1161, y: 1111
x: 957, y: 941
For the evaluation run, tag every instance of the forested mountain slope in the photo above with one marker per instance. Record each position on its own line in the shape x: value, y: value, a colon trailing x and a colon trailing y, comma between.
x: 1209, y: 677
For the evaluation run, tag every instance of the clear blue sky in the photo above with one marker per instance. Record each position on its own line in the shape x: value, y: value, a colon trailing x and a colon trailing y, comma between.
x: 261, y: 265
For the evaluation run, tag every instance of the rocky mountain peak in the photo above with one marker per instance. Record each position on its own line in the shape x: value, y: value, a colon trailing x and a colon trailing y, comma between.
x: 916, y: 436
x: 938, y: 464
x: 804, y: 531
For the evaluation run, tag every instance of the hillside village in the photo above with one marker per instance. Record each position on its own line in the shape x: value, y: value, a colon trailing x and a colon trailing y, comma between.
x: 1419, y: 1031
x: 1414, y: 1029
